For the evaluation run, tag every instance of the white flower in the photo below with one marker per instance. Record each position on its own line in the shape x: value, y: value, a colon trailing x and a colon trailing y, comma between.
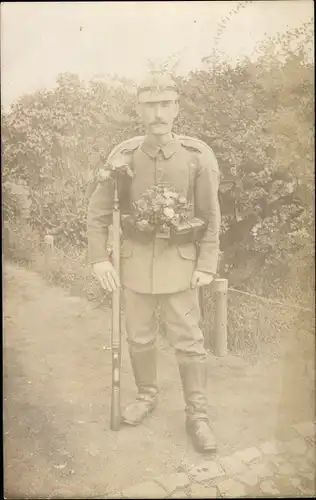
x: 170, y: 194
x: 169, y: 212
x: 169, y: 201
x: 104, y: 174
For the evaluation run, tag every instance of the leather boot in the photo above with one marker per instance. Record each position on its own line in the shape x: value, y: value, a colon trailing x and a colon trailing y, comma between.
x: 193, y: 376
x: 144, y: 366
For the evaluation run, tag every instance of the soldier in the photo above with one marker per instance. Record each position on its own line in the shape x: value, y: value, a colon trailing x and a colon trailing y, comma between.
x: 160, y: 272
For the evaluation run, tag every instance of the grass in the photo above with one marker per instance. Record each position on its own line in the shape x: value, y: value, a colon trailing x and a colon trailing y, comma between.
x: 68, y: 267
x: 253, y: 326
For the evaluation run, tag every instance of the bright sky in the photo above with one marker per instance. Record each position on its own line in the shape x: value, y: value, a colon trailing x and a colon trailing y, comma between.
x: 41, y: 40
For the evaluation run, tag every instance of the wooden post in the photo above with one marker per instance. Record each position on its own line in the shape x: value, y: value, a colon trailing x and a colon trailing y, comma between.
x: 48, y: 253
x: 203, y: 322
x: 220, y: 319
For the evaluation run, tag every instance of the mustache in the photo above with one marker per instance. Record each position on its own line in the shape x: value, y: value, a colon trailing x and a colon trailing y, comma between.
x: 158, y: 122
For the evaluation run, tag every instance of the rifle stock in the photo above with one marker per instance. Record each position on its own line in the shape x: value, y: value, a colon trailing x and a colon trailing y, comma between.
x: 116, y: 320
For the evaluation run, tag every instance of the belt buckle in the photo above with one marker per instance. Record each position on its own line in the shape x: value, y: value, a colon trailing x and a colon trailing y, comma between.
x: 164, y: 235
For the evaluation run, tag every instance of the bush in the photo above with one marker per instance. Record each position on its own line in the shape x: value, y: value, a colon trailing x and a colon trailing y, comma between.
x: 69, y: 267
x: 257, y: 117
x: 24, y: 243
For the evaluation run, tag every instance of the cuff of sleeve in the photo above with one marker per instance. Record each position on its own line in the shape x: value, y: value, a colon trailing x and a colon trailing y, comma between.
x: 94, y: 259
x: 207, y: 264
x: 207, y: 271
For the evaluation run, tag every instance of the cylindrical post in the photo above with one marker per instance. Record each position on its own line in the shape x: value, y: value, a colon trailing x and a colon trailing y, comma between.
x: 48, y: 253
x: 203, y: 325
x: 220, y: 319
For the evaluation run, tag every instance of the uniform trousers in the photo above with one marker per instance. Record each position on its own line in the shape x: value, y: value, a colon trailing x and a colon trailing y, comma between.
x: 181, y: 314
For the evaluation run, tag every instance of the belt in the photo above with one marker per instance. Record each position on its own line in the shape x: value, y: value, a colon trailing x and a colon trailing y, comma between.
x: 187, y: 232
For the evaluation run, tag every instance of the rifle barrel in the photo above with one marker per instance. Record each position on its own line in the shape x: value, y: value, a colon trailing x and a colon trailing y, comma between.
x: 116, y: 321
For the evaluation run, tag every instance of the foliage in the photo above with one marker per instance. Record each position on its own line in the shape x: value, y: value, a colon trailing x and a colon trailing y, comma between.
x: 258, y: 117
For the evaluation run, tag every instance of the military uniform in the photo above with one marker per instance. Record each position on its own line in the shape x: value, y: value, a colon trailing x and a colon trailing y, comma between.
x: 159, y: 271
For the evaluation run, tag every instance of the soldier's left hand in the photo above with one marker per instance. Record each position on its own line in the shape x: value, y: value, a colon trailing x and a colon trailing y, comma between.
x: 201, y: 279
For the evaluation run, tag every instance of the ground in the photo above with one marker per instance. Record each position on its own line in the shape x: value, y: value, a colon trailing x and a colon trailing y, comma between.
x: 57, y: 387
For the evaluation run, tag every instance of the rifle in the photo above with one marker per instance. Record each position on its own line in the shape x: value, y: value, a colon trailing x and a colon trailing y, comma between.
x: 116, y: 317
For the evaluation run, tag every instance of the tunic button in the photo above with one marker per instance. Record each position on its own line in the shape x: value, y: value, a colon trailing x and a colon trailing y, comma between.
x: 159, y: 170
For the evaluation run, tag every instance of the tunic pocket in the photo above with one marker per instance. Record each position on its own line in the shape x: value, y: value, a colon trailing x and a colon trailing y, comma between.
x: 187, y: 251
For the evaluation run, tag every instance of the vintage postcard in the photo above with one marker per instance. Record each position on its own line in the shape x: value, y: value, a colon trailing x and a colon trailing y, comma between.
x: 158, y: 249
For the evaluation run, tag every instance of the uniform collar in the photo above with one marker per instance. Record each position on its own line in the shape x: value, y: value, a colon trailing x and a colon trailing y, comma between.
x: 167, y: 150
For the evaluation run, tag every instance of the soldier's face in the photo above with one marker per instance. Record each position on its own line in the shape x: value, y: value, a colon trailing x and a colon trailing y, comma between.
x: 158, y: 116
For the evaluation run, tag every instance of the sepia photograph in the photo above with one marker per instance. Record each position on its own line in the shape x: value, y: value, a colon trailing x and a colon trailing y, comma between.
x: 158, y: 249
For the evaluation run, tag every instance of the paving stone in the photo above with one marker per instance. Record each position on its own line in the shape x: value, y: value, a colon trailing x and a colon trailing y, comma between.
x: 248, y: 454
x: 278, y: 459
x: 307, y: 483
x: 311, y: 441
x: 297, y: 446
x: 261, y: 469
x: 200, y: 491
x: 306, y: 429
x: 231, y: 488
x: 286, y: 487
x: 311, y: 453
x: 205, y: 471
x: 295, y: 481
x: 287, y: 469
x: 170, y: 482
x: 269, y: 487
x: 233, y: 465
x: 271, y: 447
x: 301, y: 464
x: 147, y: 489
x: 309, y: 475
x: 307, y: 491
x: 249, y: 478
x: 179, y: 494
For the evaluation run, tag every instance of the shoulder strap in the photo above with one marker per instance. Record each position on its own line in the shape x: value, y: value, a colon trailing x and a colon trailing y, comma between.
x: 123, y: 152
x: 125, y: 149
x: 199, y: 146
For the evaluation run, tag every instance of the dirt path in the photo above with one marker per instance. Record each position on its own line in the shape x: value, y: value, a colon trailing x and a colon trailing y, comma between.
x: 57, y: 376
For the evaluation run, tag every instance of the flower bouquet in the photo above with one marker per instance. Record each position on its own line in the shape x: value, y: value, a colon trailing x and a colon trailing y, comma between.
x: 164, y: 212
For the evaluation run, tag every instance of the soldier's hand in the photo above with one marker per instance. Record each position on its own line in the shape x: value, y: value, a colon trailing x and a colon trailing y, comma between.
x: 106, y: 275
x: 201, y: 279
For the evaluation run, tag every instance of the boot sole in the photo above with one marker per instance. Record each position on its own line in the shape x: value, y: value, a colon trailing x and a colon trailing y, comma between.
x: 131, y: 423
x: 201, y: 449
x: 135, y: 423
x: 213, y: 449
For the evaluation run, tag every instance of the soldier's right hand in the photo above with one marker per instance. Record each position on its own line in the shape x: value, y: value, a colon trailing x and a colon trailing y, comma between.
x: 106, y: 275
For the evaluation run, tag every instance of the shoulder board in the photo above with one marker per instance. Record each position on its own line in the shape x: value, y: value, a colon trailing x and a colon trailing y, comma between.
x: 126, y: 147
x: 199, y: 146
x: 193, y: 143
